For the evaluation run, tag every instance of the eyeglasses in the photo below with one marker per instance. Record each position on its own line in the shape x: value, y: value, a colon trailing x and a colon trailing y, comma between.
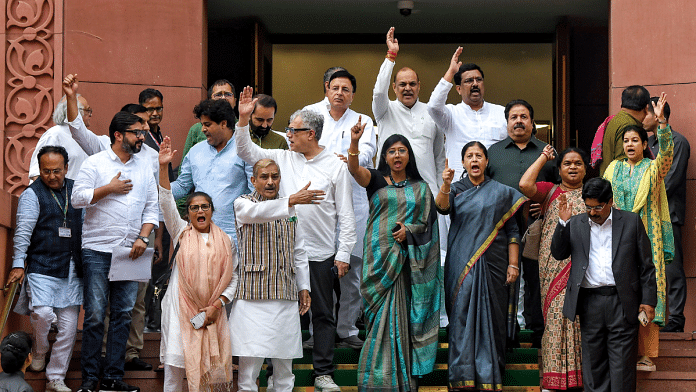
x: 223, y: 95
x: 195, y: 207
x: 157, y: 109
x: 401, y: 151
x: 471, y: 80
x: 295, y: 130
x: 138, y: 133
x: 48, y: 172
x: 595, y: 208
x: 86, y: 112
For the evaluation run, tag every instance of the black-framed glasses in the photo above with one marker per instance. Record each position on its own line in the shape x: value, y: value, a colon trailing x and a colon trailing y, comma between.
x: 137, y: 132
x: 48, y: 172
x: 595, y: 208
x: 295, y: 130
x: 158, y: 109
x: 472, y: 80
x: 86, y: 112
x: 196, y: 207
x: 223, y: 95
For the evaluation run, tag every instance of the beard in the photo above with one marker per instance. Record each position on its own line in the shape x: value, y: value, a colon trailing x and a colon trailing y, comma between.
x: 259, y: 131
x: 132, y: 148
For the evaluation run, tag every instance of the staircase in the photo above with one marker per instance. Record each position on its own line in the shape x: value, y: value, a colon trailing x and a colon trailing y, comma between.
x: 521, y: 375
x: 676, y: 365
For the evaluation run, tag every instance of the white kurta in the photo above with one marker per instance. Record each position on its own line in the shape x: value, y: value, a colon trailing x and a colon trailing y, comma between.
x: 171, y: 346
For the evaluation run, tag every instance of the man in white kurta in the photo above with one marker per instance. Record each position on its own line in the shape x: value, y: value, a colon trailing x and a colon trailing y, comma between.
x: 273, y: 276
x: 338, y: 119
x: 473, y: 119
x: 308, y: 161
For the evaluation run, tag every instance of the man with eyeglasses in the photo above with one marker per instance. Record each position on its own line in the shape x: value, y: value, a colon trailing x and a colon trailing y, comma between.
x: 153, y: 101
x: 47, y: 252
x: 214, y: 167
x: 309, y: 163
x: 611, y: 284
x: 59, y: 135
x: 473, y: 118
x: 119, y: 193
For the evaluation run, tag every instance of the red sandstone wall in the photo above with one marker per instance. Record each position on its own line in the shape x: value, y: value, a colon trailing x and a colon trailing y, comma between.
x: 651, y: 43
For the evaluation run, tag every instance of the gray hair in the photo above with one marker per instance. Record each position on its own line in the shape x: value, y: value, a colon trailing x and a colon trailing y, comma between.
x: 310, y: 119
x: 60, y: 114
x: 328, y: 73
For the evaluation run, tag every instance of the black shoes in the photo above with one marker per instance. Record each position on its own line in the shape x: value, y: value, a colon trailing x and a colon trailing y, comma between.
x: 672, y: 326
x: 137, y: 364
x: 117, y: 386
x: 88, y: 386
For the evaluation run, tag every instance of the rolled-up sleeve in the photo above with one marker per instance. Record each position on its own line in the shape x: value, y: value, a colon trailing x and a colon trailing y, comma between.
x: 83, y: 189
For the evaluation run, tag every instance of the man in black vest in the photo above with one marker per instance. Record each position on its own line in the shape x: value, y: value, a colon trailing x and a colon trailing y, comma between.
x: 47, y: 246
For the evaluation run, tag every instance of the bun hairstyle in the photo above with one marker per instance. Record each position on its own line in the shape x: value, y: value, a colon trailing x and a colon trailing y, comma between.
x: 15, y: 349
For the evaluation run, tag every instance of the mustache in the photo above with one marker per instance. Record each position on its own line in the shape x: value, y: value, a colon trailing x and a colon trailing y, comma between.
x: 519, y: 125
x: 475, y: 90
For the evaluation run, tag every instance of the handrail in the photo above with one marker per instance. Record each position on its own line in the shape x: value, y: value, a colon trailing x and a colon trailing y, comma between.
x: 9, y: 299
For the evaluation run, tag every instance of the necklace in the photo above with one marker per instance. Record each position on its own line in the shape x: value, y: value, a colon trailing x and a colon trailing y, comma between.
x: 398, y: 184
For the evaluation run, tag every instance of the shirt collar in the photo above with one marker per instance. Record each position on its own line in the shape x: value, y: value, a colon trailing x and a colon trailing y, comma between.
x: 607, y: 223
x: 484, y: 109
x: 114, y: 157
x: 536, y: 143
x: 406, y: 107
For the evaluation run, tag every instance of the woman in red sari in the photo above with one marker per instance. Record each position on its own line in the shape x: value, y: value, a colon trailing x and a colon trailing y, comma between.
x: 560, y: 345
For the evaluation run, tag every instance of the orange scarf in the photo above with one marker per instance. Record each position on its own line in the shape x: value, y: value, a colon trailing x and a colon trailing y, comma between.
x: 205, y: 271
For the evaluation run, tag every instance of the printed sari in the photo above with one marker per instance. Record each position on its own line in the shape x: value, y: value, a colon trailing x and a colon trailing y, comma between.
x: 400, y: 289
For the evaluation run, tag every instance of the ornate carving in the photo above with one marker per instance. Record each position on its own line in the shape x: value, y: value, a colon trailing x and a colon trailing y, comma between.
x: 29, y: 71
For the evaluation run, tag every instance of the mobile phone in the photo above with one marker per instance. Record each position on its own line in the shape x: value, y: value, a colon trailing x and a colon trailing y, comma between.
x: 334, y: 269
x: 643, y: 318
x: 396, y: 228
x: 198, y: 320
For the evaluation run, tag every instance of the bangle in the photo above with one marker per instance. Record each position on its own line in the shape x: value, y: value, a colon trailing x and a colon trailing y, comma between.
x: 222, y: 301
x: 353, y: 154
x: 445, y: 193
x: 391, y: 55
x: 662, y: 122
x: 514, y: 266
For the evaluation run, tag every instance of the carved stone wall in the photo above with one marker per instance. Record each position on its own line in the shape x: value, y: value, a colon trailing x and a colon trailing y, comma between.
x: 33, y: 57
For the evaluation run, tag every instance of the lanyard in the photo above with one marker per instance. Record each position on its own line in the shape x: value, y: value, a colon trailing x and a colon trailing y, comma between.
x: 152, y: 135
x: 64, y: 208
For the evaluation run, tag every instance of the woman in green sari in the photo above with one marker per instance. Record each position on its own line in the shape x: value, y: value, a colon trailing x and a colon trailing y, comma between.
x: 638, y: 186
x: 401, y: 269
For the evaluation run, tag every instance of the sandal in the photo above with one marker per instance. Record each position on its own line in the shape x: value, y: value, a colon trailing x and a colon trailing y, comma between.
x: 159, y: 368
x: 645, y: 365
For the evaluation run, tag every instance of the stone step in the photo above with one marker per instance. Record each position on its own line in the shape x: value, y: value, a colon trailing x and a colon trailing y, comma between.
x: 677, y: 340
x: 672, y: 381
x: 676, y: 359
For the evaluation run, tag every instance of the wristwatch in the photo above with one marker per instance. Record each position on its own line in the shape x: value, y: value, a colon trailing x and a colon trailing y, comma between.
x: 145, y: 239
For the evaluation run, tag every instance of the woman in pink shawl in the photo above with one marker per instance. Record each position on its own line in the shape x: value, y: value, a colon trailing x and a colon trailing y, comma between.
x: 203, y: 279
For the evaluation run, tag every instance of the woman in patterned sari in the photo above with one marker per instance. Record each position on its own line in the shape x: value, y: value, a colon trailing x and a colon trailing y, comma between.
x: 482, y: 258
x: 560, y: 345
x: 401, y: 269
x: 639, y: 186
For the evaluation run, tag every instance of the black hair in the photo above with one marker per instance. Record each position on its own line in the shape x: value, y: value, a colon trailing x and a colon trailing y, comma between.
x: 53, y: 150
x: 472, y: 144
x: 665, y: 110
x: 635, y: 97
x: 148, y: 94
x: 220, y: 82
x: 207, y: 197
x: 464, y: 68
x: 328, y: 73
x: 14, y: 350
x: 217, y: 110
x: 345, y: 74
x: 637, y: 129
x: 597, y: 188
x: 134, y: 108
x: 583, y: 155
x: 411, y: 168
x: 516, y: 102
x: 121, y: 122
x: 266, y: 101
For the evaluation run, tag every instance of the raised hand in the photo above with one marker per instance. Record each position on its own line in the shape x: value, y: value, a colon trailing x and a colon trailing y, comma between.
x: 246, y: 104
x: 659, y: 107
x: 306, y: 196
x: 549, y: 152
x: 70, y: 85
x: 454, y: 65
x: 165, y: 153
x: 392, y: 43
x: 565, y: 207
x: 447, y: 174
x: 357, y: 130
x: 120, y: 186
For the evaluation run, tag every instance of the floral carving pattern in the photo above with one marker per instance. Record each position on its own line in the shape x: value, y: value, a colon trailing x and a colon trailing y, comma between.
x: 29, y: 74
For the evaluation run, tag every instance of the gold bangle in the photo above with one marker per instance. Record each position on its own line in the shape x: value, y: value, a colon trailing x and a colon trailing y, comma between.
x: 353, y: 154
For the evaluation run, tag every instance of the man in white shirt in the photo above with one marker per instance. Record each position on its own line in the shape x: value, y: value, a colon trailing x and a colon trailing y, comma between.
x: 473, y: 118
x: 119, y: 193
x: 323, y: 105
x: 335, y: 136
x: 307, y: 162
x: 59, y: 135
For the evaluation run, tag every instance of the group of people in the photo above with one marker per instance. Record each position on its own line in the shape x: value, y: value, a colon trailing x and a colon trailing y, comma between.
x: 266, y: 228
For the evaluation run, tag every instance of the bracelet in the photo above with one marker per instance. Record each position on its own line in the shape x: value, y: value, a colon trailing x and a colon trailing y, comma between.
x: 662, y: 122
x: 445, y: 193
x: 391, y: 55
x: 222, y: 302
x: 353, y: 154
x: 514, y: 266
